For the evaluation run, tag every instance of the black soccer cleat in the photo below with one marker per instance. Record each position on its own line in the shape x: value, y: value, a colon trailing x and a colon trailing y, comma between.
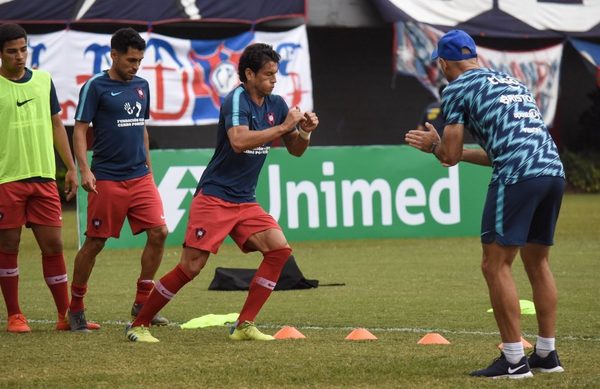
x: 549, y: 364
x: 501, y: 368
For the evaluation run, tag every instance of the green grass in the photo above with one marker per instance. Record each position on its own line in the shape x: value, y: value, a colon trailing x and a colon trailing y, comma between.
x: 398, y: 289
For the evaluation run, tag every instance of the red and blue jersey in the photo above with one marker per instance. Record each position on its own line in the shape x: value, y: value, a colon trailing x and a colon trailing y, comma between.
x: 118, y: 111
x: 233, y: 176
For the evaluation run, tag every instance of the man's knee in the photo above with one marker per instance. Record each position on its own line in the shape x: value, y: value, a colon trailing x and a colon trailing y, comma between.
x: 93, y: 246
x: 10, y: 243
x: 193, y: 261
x: 53, y: 246
x: 158, y: 235
x: 486, y: 269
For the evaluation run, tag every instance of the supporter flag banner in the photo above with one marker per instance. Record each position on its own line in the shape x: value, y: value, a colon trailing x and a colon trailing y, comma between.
x: 326, y: 195
x: 188, y: 78
x: 414, y: 44
x: 538, y: 69
x: 500, y: 18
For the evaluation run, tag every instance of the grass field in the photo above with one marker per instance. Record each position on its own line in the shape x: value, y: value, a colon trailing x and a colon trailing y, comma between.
x: 398, y: 289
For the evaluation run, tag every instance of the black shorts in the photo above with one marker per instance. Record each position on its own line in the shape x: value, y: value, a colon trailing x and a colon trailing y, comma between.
x: 525, y: 212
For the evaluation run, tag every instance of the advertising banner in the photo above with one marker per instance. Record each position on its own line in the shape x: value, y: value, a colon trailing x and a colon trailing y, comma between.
x: 333, y: 193
x: 188, y: 78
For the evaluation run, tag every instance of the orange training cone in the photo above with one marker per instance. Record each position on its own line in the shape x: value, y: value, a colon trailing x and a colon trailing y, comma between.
x: 360, y: 334
x: 433, y: 338
x: 526, y: 344
x: 287, y: 332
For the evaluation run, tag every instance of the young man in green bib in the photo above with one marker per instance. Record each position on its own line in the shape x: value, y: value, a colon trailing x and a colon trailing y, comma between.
x: 29, y: 130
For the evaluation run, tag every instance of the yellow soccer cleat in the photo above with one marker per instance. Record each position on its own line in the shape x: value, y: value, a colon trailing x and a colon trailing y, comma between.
x: 140, y: 334
x: 248, y: 331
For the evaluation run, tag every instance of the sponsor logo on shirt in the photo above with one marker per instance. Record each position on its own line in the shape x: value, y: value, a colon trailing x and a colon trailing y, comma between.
x: 508, y: 99
x: 512, y: 82
x: 258, y: 150
x: 21, y: 103
x: 133, y: 110
x: 531, y: 130
x: 531, y: 114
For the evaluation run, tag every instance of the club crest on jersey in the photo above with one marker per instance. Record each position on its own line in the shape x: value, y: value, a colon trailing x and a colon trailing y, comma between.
x: 271, y: 118
x: 200, y: 232
x: 140, y: 92
x: 1, y: 216
x: 96, y: 223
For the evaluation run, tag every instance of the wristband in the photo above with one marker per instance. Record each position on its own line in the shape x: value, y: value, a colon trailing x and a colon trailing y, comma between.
x: 434, y: 145
x: 304, y: 134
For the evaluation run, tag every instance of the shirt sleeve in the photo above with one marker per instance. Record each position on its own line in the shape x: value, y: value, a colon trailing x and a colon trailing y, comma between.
x: 284, y: 109
x: 88, y: 102
x: 147, y: 112
x: 236, y: 111
x: 54, y: 103
x: 453, y: 105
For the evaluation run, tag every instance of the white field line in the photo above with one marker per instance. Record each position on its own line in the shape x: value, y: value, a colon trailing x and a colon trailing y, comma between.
x: 418, y: 330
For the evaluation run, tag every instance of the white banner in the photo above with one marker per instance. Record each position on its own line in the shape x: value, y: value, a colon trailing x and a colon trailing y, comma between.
x: 188, y: 78
x: 541, y: 15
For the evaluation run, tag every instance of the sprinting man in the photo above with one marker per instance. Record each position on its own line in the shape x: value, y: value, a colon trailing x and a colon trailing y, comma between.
x: 30, y: 130
x: 524, y: 196
x: 251, y: 118
x: 119, y: 182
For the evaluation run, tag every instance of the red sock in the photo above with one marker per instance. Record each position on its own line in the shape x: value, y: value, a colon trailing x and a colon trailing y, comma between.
x: 9, y: 282
x: 164, y: 290
x: 264, y: 282
x: 144, y: 287
x: 55, y: 274
x: 77, y: 295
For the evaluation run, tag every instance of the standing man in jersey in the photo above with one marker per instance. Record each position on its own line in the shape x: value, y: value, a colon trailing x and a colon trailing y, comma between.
x: 225, y: 202
x: 30, y: 128
x: 119, y: 182
x: 523, y: 199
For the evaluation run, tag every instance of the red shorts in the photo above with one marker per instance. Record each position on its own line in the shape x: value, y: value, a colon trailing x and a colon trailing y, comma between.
x: 212, y: 219
x: 27, y: 203
x: 137, y: 199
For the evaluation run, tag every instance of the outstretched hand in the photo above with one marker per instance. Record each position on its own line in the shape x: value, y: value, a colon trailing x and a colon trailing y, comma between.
x: 423, y: 139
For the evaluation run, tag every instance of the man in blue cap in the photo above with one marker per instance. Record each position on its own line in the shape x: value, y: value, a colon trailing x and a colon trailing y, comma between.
x: 523, y: 199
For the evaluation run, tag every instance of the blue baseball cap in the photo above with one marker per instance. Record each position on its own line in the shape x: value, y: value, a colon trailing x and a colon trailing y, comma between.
x: 452, y: 45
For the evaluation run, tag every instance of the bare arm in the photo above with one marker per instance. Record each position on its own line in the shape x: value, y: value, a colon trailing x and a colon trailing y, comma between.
x: 88, y: 180
x: 476, y: 156
x: 450, y: 148
x: 61, y: 143
x: 297, y: 142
